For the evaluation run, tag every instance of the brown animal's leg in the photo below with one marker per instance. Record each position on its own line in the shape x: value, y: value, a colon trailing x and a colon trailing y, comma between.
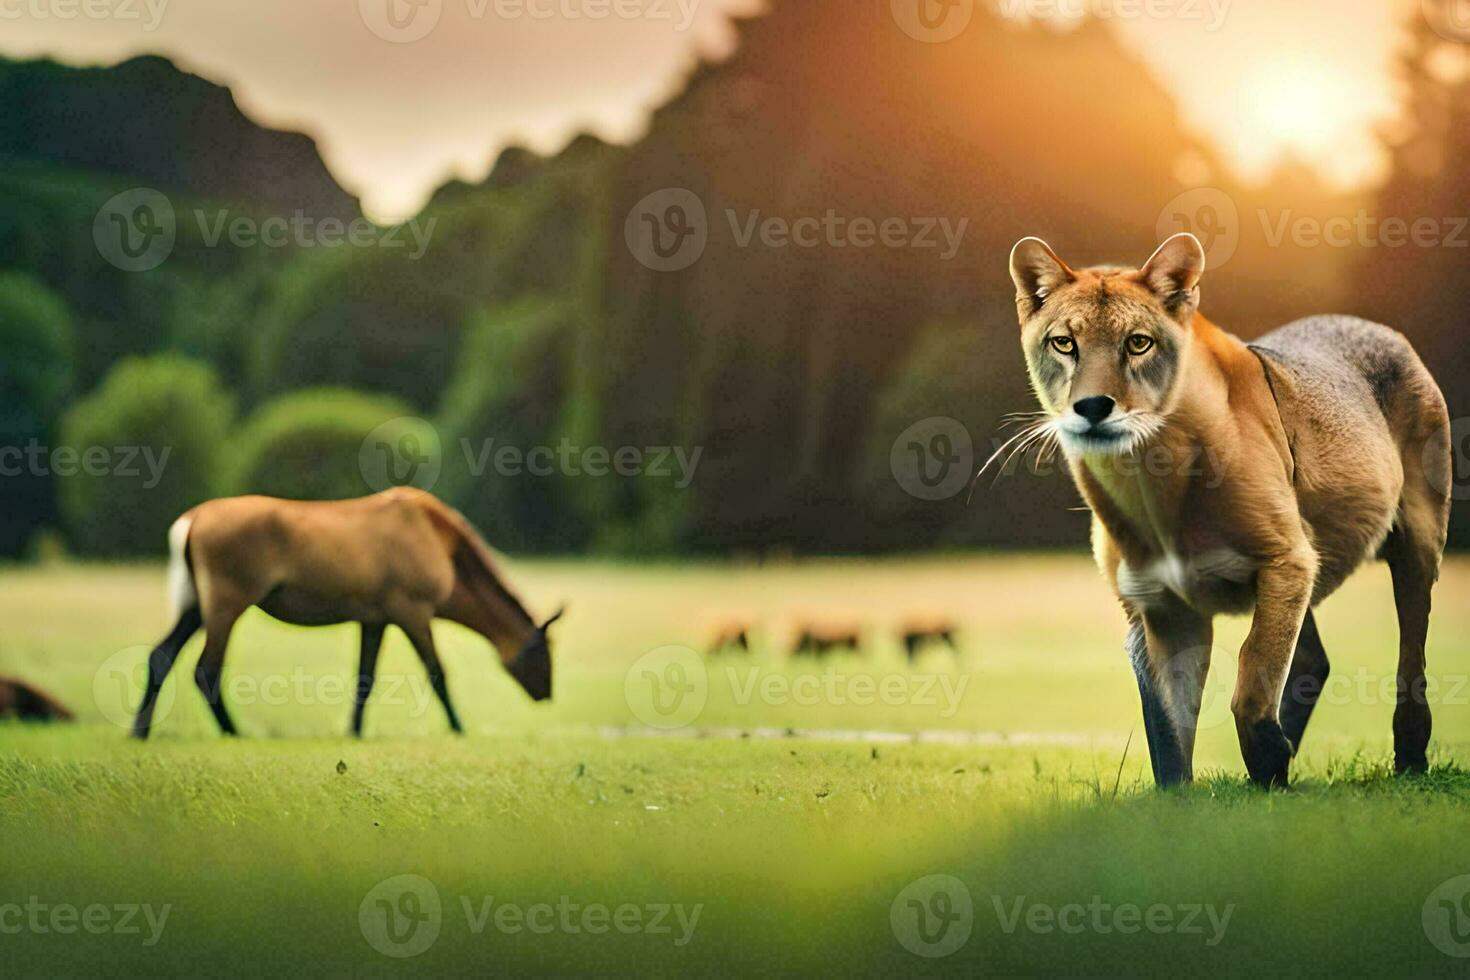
x: 209, y: 675
x: 1158, y: 727
x: 1178, y: 642
x: 160, y: 662
x: 422, y: 638
x: 1413, y: 568
x: 1309, y: 670
x: 1413, y: 552
x: 367, y: 667
x: 1283, y: 597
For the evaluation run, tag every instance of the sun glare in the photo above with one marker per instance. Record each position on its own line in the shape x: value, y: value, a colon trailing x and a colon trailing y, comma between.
x: 1297, y: 108
x: 1314, y: 112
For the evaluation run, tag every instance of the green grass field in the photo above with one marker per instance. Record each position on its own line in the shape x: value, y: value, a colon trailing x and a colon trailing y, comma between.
x: 566, y: 838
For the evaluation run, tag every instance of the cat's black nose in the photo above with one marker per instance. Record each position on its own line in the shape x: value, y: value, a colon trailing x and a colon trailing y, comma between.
x: 1094, y: 409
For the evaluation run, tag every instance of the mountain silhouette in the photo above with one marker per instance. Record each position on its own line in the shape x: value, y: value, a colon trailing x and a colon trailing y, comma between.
x: 161, y: 127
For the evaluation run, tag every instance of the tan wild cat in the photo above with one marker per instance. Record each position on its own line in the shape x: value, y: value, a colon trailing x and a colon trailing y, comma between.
x: 1328, y: 443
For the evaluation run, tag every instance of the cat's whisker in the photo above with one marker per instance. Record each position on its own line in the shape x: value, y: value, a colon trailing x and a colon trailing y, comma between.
x: 1030, y: 431
x: 1040, y: 434
x: 1051, y: 446
x: 1020, y: 418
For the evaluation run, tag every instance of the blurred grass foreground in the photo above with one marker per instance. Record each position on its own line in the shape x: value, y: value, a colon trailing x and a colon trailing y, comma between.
x: 800, y: 847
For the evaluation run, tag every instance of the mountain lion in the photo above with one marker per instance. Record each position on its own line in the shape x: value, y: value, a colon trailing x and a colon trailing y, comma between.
x: 1328, y: 444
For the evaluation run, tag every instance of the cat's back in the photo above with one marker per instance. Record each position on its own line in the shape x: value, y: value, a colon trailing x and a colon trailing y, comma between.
x: 1351, y: 370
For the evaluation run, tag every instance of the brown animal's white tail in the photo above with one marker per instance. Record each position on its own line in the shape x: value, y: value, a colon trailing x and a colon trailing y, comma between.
x: 183, y: 595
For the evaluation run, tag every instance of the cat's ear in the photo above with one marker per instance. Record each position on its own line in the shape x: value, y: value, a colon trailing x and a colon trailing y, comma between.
x: 1174, y: 273
x: 1037, y: 273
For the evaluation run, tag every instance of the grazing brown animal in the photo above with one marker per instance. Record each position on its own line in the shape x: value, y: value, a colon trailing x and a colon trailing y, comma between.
x: 729, y: 637
x: 399, y: 558
x: 20, y: 700
x: 920, y: 633
x: 1229, y: 478
x: 821, y: 640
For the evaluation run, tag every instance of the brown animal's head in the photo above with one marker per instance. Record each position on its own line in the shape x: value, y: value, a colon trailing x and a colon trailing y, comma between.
x: 1104, y: 346
x: 20, y: 700
x: 532, y: 665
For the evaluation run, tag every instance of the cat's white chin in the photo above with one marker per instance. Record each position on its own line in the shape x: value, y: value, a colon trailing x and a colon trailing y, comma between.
x: 1099, y: 442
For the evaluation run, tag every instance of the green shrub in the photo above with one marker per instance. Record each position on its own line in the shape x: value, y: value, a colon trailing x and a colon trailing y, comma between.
x: 509, y: 392
x: 312, y: 445
x: 138, y: 451
x: 36, y: 370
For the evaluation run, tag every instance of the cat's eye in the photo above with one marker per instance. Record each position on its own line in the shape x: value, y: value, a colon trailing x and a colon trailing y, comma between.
x: 1139, y: 344
x: 1065, y: 346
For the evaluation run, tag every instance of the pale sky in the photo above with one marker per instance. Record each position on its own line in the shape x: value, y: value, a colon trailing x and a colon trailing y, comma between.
x: 396, y: 119
x: 1312, y: 76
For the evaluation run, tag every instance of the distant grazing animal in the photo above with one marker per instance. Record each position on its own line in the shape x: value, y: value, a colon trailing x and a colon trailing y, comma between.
x: 399, y: 558
x: 20, y: 700
x: 1229, y: 478
x: 729, y: 637
x: 821, y: 640
x: 918, y: 634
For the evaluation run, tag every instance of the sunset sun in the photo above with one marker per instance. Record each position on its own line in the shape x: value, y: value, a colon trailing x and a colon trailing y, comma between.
x: 1298, y: 109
